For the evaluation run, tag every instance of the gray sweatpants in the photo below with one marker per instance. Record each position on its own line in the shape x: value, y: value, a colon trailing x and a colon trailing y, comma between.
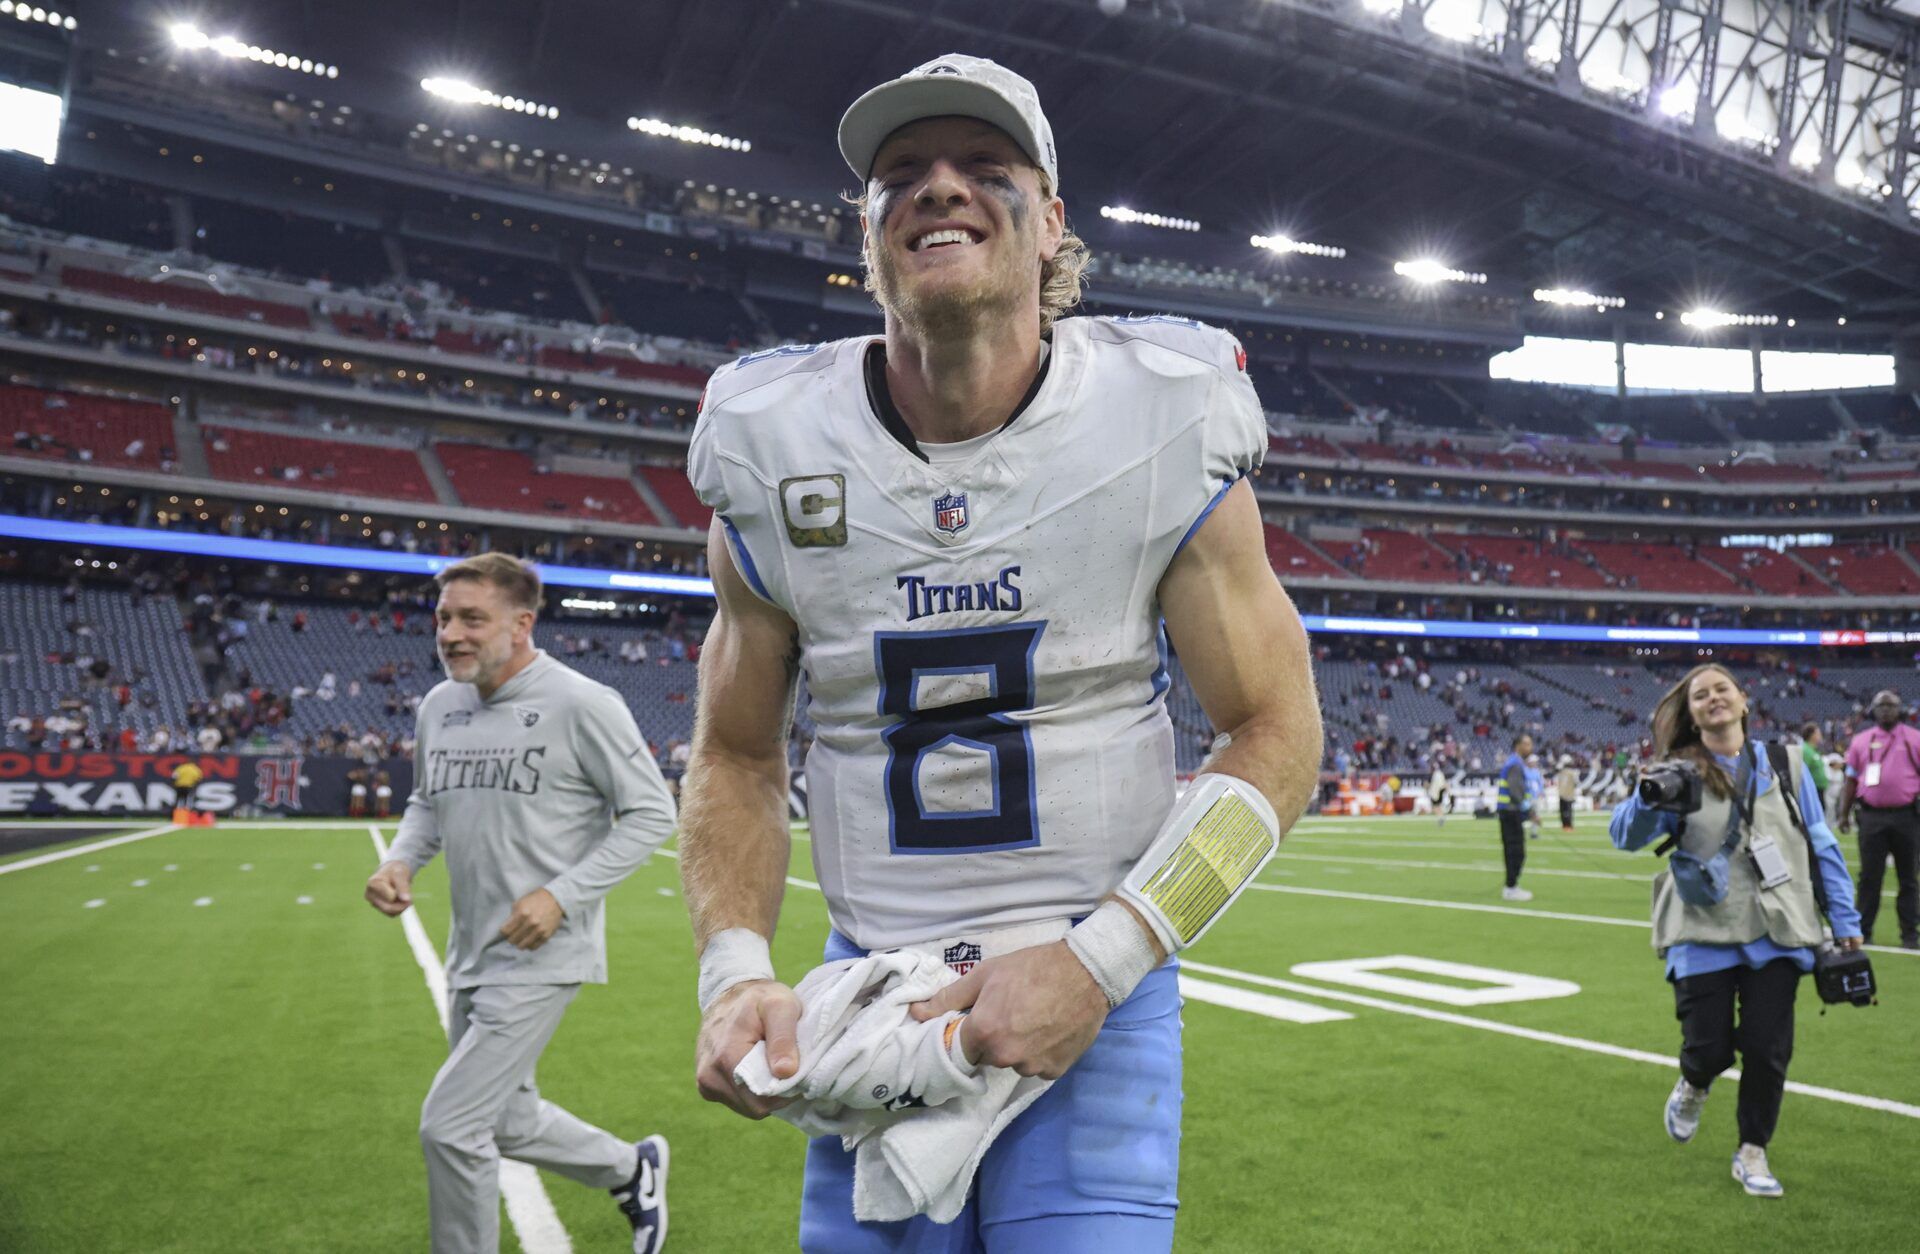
x: 483, y: 1105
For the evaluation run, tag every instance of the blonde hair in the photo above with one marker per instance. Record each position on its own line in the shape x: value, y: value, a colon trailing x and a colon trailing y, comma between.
x: 519, y: 580
x: 1063, y: 277
x: 1675, y: 734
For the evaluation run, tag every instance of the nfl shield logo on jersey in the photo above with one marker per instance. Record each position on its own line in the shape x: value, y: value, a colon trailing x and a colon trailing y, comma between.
x: 950, y: 513
x: 961, y: 956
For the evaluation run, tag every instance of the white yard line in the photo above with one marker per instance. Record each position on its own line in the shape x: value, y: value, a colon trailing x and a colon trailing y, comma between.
x: 529, y: 1208
x: 1476, y: 867
x: 1476, y: 907
x: 1667, y: 1061
x: 42, y: 859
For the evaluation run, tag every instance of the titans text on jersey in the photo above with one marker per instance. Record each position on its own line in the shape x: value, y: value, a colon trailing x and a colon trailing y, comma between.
x: 981, y: 636
x: 1000, y: 593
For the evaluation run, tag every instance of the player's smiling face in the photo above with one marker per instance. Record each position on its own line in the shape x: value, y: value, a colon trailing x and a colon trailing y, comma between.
x: 477, y: 631
x: 957, y: 225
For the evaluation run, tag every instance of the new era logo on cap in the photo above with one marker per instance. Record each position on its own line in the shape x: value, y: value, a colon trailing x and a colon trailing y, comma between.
x: 941, y: 69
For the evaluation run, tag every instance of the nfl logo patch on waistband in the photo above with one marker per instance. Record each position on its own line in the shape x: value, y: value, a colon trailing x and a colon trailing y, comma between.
x: 962, y: 956
x: 950, y: 513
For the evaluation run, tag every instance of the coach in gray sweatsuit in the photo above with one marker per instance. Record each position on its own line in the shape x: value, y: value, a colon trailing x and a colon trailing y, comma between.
x: 538, y: 787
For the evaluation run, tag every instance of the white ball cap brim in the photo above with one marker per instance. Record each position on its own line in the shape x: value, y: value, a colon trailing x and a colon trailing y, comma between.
x: 949, y: 86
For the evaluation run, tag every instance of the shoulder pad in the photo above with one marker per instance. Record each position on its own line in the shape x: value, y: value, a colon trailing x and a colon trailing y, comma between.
x: 772, y: 365
x: 1189, y: 338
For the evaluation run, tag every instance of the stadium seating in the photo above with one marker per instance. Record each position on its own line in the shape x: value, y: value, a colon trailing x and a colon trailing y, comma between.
x: 1407, y: 398
x: 1531, y: 407
x: 1527, y: 563
x: 1787, y: 419
x: 145, y: 645
x: 292, y: 244
x: 1775, y: 574
x: 1762, y: 472
x: 690, y: 312
x: 1659, y: 567
x: 670, y: 484
x: 73, y: 426
x: 304, y: 461
x: 497, y: 478
x: 191, y: 294
x: 1863, y: 569
x: 1644, y: 468
x: 484, y: 280
x: 622, y: 365
x: 1403, y: 557
x: 1294, y: 559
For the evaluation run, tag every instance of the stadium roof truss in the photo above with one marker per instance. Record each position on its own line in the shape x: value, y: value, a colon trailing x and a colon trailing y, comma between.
x: 1824, y: 87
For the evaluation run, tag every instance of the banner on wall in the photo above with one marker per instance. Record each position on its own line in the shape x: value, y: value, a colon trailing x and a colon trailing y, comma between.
x: 110, y: 784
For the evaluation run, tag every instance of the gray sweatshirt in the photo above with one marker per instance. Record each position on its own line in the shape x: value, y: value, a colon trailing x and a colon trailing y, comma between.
x: 547, y: 784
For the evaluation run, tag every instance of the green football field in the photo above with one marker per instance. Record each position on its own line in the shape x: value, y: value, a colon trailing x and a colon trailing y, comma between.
x: 211, y: 1043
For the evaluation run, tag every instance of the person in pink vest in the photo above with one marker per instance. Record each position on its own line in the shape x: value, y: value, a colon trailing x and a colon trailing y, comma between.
x: 1883, y: 780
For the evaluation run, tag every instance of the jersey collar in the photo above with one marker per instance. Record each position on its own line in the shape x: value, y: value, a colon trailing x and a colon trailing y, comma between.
x: 880, y: 399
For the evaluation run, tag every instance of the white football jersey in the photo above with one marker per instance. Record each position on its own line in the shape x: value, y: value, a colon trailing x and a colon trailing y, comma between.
x: 981, y: 639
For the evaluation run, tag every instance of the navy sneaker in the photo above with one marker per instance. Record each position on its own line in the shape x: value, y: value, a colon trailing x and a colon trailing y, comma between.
x: 643, y: 1199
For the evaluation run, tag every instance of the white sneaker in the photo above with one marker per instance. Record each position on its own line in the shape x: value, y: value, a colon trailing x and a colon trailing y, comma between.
x: 1516, y: 894
x: 1683, y: 1110
x: 1750, y: 1169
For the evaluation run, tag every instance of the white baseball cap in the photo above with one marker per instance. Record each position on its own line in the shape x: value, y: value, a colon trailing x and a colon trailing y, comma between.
x: 949, y: 86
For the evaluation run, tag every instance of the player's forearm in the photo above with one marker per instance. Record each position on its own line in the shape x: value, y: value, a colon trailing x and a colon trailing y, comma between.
x: 733, y: 841
x: 1846, y: 801
x: 1277, y: 752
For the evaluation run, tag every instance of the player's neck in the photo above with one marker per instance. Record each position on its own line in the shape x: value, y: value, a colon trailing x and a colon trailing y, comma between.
x: 954, y: 389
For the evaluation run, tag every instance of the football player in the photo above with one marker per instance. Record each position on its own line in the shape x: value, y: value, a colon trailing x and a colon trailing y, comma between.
x: 977, y: 536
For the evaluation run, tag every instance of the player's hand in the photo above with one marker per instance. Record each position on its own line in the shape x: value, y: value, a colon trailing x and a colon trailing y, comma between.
x: 1847, y: 944
x: 535, y: 918
x: 1034, y: 1010
x: 739, y: 1019
x: 390, y: 889
x: 1846, y: 822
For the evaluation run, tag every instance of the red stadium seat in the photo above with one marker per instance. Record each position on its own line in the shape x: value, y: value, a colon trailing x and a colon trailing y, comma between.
x: 185, y: 295
x: 498, y: 478
x: 309, y: 462
x: 670, y: 484
x: 36, y: 422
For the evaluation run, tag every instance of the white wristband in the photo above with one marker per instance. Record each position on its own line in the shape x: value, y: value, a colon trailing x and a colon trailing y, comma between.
x: 738, y: 955
x: 1116, y: 952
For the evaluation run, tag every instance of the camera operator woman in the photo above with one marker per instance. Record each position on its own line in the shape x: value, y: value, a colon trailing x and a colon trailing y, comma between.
x: 1735, y: 913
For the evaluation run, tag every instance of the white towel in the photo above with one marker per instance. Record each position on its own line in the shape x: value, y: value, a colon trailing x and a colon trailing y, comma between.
x: 898, y: 1093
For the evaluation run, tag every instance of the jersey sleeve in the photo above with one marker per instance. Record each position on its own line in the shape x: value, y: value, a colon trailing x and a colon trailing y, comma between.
x: 1233, y: 435
x: 720, y: 466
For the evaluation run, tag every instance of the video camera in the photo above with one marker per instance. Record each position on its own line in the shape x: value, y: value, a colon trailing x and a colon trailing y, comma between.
x: 1674, y: 787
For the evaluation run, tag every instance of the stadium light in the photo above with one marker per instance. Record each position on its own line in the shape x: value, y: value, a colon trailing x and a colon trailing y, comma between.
x: 33, y: 13
x: 1453, y: 25
x: 1118, y: 214
x: 190, y: 38
x: 1675, y: 101
x: 1283, y: 245
x: 1427, y: 270
x: 1706, y: 319
x: 1611, y: 82
x: 1576, y: 298
x: 688, y: 134
x: 460, y: 91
